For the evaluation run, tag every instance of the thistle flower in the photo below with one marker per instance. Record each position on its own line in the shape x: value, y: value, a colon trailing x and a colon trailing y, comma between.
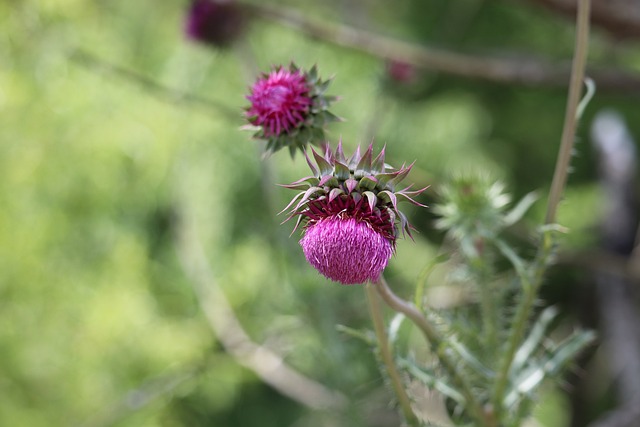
x: 215, y: 22
x: 350, y: 213
x: 289, y: 108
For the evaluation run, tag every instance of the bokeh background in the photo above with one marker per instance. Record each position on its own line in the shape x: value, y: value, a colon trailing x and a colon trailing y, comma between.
x: 122, y: 161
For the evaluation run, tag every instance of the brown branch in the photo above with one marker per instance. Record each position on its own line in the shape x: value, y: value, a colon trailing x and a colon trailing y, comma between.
x: 269, y: 366
x: 621, y: 18
x: 92, y: 62
x: 528, y: 72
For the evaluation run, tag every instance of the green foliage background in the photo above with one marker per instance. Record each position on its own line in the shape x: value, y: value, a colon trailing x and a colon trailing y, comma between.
x: 94, y: 170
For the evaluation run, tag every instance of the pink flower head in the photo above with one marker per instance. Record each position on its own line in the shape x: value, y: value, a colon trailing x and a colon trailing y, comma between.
x: 350, y: 214
x: 216, y: 22
x: 280, y: 102
x: 289, y: 108
x: 346, y: 250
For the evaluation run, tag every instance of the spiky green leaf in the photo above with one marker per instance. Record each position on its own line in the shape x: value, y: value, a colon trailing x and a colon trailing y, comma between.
x: 430, y: 379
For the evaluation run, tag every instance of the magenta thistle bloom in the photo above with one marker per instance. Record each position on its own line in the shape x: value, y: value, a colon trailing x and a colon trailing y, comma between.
x: 215, y: 22
x: 346, y: 250
x: 350, y: 214
x: 289, y: 108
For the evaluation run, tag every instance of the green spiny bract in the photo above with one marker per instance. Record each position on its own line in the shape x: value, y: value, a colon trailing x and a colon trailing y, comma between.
x: 359, y: 185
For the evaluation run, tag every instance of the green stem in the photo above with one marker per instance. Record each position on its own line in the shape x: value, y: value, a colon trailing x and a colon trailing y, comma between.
x: 439, y: 347
x: 489, y: 317
x: 570, y: 118
x: 531, y: 287
x: 387, y: 358
x: 487, y: 303
x: 532, y: 281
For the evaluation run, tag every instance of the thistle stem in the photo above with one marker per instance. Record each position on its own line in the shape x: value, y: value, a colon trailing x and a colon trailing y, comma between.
x: 387, y: 358
x: 482, y: 274
x: 520, y: 320
x: 570, y: 118
x: 438, y: 346
x: 532, y: 283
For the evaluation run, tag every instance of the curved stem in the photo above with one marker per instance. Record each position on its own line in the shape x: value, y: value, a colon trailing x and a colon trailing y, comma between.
x: 438, y: 346
x: 387, y: 358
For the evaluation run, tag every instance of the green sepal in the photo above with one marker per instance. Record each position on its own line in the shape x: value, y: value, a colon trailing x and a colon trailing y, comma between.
x: 368, y: 182
x: 341, y: 171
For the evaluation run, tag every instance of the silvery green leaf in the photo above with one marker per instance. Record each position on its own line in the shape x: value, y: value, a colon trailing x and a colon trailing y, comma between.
x: 365, y: 335
x: 520, y: 209
x: 466, y: 356
x: 430, y: 379
x: 548, y: 366
x: 394, y: 326
x: 535, y: 338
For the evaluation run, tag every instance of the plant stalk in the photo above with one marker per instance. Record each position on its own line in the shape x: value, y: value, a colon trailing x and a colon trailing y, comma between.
x: 533, y: 280
x: 387, y: 358
x: 487, y: 305
x: 570, y: 118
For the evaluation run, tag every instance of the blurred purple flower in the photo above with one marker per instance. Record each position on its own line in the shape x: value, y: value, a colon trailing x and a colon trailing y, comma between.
x: 218, y: 23
x: 401, y: 72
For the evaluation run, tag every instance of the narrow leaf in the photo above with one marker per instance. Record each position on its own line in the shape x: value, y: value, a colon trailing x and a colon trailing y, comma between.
x: 470, y: 359
x: 430, y: 380
x: 365, y: 335
x: 394, y: 327
x: 535, y: 338
x: 514, y: 258
x: 520, y: 209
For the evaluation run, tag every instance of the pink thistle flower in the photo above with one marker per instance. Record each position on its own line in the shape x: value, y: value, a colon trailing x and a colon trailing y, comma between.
x: 279, y: 102
x: 289, y: 108
x: 215, y: 22
x: 346, y: 250
x: 350, y: 214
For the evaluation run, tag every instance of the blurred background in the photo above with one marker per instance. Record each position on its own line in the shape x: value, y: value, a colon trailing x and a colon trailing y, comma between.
x: 145, y: 279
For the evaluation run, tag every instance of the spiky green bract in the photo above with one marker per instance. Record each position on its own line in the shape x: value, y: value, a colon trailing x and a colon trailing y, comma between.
x: 474, y: 209
x: 472, y: 205
x: 289, y: 108
x: 344, y: 200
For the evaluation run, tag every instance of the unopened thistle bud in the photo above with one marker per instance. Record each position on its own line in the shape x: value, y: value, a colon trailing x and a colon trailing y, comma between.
x: 349, y: 211
x: 289, y: 108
